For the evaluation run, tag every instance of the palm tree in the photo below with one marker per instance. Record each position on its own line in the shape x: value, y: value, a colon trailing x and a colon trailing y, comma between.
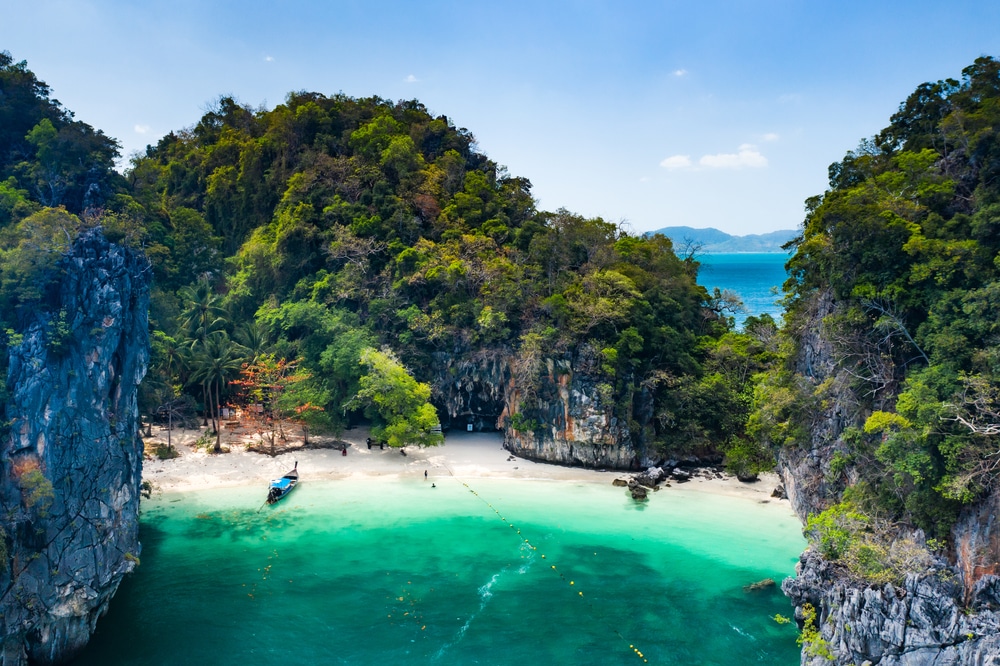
x: 203, y: 313
x: 255, y: 338
x: 202, y: 316
x: 170, y: 360
x: 216, y: 360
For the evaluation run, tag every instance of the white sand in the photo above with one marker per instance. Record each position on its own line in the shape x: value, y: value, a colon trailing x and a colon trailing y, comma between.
x: 464, y: 455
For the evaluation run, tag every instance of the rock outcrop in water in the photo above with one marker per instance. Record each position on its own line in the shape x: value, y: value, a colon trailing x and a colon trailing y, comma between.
x: 71, y: 456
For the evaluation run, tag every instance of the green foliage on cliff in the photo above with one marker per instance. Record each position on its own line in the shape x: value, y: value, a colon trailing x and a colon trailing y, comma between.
x: 46, y: 157
x: 905, y: 241
x: 811, y: 637
x: 864, y: 546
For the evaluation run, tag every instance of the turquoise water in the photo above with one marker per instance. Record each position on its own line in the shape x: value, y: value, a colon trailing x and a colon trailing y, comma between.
x: 757, y: 278
x: 388, y: 571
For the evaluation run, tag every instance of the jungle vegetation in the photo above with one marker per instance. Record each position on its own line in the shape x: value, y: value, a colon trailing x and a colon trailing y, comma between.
x: 906, y: 244
x: 341, y: 235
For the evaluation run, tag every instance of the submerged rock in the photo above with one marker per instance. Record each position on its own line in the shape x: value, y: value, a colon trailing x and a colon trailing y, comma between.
x: 760, y: 585
x: 72, y: 455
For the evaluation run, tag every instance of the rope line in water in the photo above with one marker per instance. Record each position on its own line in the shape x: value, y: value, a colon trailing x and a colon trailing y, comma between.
x: 571, y: 583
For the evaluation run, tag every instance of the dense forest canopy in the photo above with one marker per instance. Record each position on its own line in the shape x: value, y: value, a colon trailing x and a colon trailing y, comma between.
x: 329, y: 226
x: 907, y: 242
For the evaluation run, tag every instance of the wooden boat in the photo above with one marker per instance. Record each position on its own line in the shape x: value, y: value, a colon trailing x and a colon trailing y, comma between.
x: 281, y: 487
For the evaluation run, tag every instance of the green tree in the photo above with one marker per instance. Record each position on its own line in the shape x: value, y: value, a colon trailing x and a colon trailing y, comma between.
x: 399, y: 400
x: 203, y: 312
x: 216, y: 360
x: 29, y: 251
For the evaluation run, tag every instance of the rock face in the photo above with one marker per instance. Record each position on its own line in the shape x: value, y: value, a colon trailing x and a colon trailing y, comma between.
x: 805, y: 469
x: 570, y: 423
x: 558, y: 407
x: 71, y: 457
x: 925, y: 622
x: 471, y: 388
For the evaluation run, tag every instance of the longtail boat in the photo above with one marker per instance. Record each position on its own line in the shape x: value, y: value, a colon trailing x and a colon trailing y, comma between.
x: 281, y: 487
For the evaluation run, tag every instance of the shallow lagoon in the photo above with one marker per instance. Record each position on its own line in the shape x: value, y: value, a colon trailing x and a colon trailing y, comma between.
x: 387, y: 570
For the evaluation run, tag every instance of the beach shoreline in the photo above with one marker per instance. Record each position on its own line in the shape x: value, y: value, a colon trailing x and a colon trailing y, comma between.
x: 463, y: 456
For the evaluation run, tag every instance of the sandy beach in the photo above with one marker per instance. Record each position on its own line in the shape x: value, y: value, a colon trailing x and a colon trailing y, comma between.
x: 463, y: 455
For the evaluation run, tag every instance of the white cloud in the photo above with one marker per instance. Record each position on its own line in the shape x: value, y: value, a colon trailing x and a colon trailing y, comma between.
x: 141, y: 129
x: 676, y: 162
x: 268, y: 58
x: 680, y: 72
x: 770, y: 136
x: 411, y: 79
x: 747, y: 156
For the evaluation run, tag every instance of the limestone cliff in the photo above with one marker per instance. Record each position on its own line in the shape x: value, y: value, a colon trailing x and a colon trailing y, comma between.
x: 833, y: 407
x: 553, y: 411
x: 565, y: 418
x: 946, y: 614
x: 71, y: 457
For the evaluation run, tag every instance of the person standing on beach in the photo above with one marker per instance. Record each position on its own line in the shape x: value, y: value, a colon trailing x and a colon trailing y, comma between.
x: 425, y: 475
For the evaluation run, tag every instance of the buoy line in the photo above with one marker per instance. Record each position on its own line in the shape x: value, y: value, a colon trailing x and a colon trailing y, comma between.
x: 572, y: 583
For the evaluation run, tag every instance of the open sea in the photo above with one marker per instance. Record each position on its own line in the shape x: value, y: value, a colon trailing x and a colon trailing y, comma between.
x: 383, y: 570
x: 755, y: 277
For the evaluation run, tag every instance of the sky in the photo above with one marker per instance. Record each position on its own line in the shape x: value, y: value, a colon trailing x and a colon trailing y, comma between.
x: 713, y: 113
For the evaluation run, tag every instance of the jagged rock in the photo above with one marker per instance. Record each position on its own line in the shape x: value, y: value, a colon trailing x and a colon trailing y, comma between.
x: 620, y: 482
x: 74, y: 438
x: 921, y: 623
x: 638, y: 492
x: 779, y: 492
x: 805, y: 468
x: 680, y: 475
x: 986, y: 593
x: 651, y: 477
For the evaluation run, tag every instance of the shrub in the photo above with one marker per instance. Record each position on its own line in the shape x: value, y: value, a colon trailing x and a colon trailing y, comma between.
x: 812, y: 641
x: 843, y: 534
x: 36, y: 490
x: 833, y: 531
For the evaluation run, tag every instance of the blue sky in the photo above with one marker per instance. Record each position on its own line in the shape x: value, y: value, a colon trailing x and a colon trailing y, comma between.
x: 710, y: 113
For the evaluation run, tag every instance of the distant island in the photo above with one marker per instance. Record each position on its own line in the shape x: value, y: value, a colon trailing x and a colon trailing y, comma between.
x: 713, y: 241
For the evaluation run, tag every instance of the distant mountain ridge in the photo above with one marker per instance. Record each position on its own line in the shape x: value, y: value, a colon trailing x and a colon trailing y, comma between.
x: 713, y: 241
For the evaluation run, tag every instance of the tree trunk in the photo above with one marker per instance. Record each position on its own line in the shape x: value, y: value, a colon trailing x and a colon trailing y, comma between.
x: 218, y: 429
x: 206, y: 395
